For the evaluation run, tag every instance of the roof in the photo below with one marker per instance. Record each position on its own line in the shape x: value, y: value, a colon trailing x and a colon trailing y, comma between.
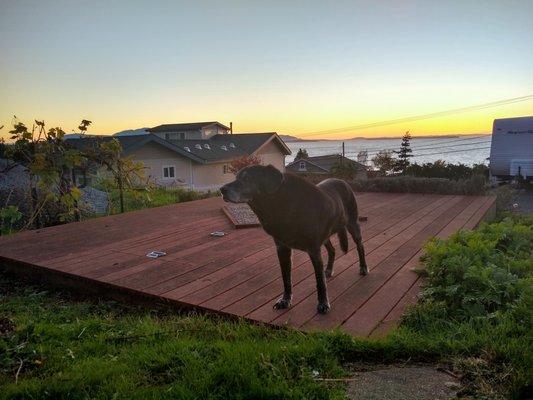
x: 326, y: 162
x: 189, y: 126
x: 217, y: 148
x: 310, y: 166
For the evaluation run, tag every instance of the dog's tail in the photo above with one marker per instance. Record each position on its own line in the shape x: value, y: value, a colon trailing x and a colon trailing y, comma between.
x: 343, y: 239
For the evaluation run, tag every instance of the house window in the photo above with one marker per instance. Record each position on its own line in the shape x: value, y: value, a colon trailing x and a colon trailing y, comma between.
x: 225, y: 169
x: 168, y: 172
x: 175, y: 135
x: 302, y: 166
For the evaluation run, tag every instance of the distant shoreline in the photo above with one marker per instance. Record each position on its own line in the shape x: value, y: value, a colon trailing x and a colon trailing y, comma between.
x: 451, y: 136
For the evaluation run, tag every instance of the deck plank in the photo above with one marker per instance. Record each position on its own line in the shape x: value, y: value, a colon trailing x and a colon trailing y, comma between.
x: 238, y: 274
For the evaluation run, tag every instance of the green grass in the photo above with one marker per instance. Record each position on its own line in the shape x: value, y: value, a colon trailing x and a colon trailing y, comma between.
x: 137, y: 199
x: 475, y: 317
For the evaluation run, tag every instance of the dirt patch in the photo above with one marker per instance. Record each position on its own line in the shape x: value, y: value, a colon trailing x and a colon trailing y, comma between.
x: 403, y: 383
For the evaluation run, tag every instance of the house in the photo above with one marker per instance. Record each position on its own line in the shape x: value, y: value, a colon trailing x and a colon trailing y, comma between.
x: 511, y: 149
x: 324, y: 164
x: 195, y: 155
x: 190, y: 131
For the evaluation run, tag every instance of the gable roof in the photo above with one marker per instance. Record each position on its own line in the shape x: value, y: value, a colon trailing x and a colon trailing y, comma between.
x: 219, y: 147
x: 326, y: 162
x: 189, y: 126
x: 310, y: 167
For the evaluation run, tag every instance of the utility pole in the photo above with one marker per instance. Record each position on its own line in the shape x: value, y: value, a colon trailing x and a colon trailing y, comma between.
x: 343, y: 153
x: 231, y: 127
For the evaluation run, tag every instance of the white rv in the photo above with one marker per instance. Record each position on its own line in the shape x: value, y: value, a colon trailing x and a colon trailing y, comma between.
x: 511, y: 150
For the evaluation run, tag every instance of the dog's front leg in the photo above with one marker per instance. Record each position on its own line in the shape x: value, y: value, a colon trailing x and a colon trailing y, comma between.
x: 285, y: 262
x: 318, y: 265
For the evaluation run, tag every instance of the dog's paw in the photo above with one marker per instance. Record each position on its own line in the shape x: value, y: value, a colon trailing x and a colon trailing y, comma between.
x: 282, y: 303
x: 363, y: 271
x: 329, y: 273
x: 322, y: 308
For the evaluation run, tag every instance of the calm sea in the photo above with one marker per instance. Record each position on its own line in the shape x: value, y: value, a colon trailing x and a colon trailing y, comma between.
x: 467, y: 149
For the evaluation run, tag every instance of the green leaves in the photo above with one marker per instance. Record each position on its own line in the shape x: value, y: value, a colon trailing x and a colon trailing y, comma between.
x: 8, y: 217
x: 476, y: 273
x: 49, y: 161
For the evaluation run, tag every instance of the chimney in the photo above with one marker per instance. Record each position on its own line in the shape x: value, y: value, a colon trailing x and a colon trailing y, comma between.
x: 231, y: 127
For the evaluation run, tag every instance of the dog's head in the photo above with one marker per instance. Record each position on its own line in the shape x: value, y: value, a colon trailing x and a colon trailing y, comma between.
x: 251, y: 182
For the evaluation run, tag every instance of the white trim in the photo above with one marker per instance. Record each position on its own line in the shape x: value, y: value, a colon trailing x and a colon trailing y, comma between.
x: 167, y: 178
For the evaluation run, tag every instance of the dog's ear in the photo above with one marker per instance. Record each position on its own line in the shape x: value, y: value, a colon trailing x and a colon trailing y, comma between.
x: 272, y: 179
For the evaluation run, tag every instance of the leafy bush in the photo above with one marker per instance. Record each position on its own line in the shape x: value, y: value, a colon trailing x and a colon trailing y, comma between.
x: 9, y: 216
x: 482, y: 272
x: 476, y: 185
x: 441, y: 169
x: 478, y: 305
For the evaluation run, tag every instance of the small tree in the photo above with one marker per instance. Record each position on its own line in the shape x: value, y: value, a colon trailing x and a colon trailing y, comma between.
x: 362, y: 157
x: 345, y: 170
x: 384, y: 161
x: 125, y: 171
x: 48, y: 162
x: 302, y: 153
x: 404, y: 154
x: 239, y: 163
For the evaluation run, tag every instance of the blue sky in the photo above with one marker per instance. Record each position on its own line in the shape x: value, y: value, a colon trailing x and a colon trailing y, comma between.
x: 291, y: 67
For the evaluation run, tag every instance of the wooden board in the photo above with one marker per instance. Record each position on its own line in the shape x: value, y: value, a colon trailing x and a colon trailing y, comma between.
x: 241, y: 215
x: 238, y: 274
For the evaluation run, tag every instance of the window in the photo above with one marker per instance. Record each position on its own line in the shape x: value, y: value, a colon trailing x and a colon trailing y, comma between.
x: 302, y: 166
x: 168, y: 172
x: 225, y: 169
x: 174, y: 135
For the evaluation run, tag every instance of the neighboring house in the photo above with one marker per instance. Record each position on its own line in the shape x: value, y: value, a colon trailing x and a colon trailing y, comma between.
x: 190, y: 131
x: 511, y: 150
x: 324, y: 164
x: 199, y: 156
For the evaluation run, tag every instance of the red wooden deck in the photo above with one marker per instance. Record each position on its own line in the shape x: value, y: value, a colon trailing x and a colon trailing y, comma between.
x: 238, y: 274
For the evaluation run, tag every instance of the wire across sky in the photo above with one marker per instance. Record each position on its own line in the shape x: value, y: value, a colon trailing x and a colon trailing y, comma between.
x: 419, y: 117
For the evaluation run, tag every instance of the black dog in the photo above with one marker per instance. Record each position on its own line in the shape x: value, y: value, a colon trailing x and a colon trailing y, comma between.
x: 300, y: 215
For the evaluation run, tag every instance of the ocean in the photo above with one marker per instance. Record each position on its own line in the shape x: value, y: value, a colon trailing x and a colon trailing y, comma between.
x: 469, y: 150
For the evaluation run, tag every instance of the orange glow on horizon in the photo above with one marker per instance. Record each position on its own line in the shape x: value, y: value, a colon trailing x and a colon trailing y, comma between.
x: 475, y: 122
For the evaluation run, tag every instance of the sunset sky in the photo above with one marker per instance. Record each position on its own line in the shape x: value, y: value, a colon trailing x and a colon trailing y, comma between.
x: 295, y: 67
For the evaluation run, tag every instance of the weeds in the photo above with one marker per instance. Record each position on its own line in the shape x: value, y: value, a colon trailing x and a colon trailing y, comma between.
x: 476, y: 185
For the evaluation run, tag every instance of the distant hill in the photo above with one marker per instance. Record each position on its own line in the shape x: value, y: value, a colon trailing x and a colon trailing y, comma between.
x: 448, y: 136
x: 289, y: 138
x: 132, y: 132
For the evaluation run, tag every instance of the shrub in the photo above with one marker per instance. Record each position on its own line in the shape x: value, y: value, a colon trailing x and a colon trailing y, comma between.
x: 9, y: 216
x: 441, y: 169
x: 476, y: 185
x: 245, y: 161
x: 477, y: 304
x: 482, y: 272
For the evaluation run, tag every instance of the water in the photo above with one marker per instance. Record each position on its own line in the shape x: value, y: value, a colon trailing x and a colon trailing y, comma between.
x: 467, y: 150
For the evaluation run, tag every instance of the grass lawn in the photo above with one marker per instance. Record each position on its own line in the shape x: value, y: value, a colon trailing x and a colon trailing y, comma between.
x: 137, y: 199
x: 475, y: 317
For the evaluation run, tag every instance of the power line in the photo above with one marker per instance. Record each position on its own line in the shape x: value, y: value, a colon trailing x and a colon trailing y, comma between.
x: 414, y: 148
x: 421, y: 116
x: 450, y: 145
x: 430, y: 147
x: 452, y: 151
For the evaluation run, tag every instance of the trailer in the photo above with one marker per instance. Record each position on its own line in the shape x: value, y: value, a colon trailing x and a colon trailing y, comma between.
x: 511, y: 150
